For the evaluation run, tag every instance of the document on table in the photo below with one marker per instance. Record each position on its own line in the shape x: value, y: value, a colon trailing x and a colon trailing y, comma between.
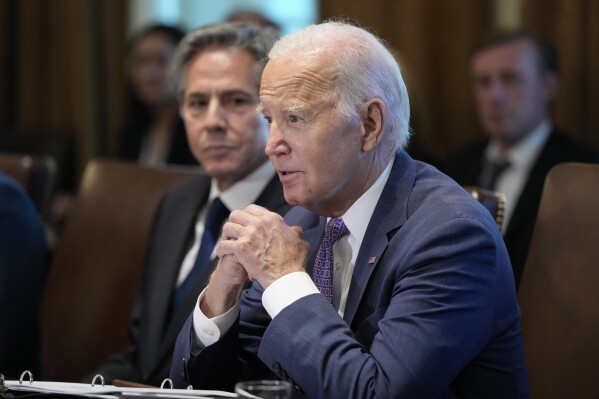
x: 111, y: 391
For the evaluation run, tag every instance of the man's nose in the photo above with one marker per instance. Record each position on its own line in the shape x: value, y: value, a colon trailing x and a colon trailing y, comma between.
x: 276, y: 145
x: 216, y: 115
x: 496, y: 89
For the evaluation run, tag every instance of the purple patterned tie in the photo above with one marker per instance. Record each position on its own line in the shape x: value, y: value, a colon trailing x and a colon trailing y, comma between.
x: 323, y: 266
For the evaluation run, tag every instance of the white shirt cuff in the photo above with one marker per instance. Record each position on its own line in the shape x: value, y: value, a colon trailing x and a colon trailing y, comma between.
x: 208, y: 331
x: 286, y: 290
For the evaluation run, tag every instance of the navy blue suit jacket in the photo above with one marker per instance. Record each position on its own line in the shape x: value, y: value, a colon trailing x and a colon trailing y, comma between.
x: 434, y: 316
x: 23, y: 264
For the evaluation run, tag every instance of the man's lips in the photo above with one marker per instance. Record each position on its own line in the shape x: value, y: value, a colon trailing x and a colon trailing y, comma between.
x: 217, y: 149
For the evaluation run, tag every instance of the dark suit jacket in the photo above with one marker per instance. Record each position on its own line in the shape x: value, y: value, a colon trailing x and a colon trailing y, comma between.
x: 152, y: 336
x: 23, y: 263
x: 465, y: 166
x: 434, y: 316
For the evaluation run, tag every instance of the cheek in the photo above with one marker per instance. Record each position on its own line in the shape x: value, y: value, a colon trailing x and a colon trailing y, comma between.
x: 251, y: 133
x: 193, y: 130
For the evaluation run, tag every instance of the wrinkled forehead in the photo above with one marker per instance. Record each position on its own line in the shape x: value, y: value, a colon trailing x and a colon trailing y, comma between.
x: 299, y: 82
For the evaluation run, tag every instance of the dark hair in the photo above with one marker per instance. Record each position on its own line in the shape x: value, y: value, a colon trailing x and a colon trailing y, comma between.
x: 252, y: 38
x: 172, y: 32
x: 548, y: 57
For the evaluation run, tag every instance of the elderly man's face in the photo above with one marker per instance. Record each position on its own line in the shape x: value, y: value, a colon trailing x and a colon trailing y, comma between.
x: 511, y: 93
x: 225, y: 133
x: 315, y: 152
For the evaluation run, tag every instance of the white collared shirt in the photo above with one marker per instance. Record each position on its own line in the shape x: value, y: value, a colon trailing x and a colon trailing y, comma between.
x: 236, y: 197
x: 521, y: 157
x: 294, y: 286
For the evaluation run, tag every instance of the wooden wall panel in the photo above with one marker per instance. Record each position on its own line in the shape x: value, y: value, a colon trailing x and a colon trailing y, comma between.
x: 573, y: 25
x: 66, y: 70
x: 433, y: 39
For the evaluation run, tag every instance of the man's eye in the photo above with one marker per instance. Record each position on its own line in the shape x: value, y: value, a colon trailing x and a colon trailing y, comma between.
x: 196, y: 103
x: 237, y: 102
x: 268, y: 119
x: 294, y: 118
x: 483, y: 82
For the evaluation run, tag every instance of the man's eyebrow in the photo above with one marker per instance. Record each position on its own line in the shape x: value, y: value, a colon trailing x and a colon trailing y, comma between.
x: 232, y: 92
x: 236, y: 92
x: 297, y: 108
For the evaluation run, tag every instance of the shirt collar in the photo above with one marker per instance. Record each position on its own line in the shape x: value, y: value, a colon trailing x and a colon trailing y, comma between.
x: 245, y: 191
x: 525, y: 152
x: 358, y: 216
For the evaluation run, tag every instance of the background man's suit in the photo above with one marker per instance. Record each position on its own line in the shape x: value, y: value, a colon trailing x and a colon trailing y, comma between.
x: 170, y: 239
x: 422, y: 309
x: 465, y: 167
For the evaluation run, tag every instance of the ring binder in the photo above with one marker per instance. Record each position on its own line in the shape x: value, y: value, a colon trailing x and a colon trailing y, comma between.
x: 170, y: 382
x: 101, y: 379
x: 23, y: 375
x: 16, y: 388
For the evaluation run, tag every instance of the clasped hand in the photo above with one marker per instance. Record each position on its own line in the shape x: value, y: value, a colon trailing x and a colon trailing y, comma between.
x: 257, y: 244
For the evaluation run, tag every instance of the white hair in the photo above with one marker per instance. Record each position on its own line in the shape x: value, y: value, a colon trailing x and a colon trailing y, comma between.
x: 366, y: 68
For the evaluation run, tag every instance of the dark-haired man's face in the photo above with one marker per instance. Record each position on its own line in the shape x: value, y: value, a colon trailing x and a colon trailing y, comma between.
x: 512, y: 95
x: 225, y: 133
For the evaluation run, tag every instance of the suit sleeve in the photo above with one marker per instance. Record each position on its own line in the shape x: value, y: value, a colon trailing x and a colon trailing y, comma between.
x: 433, y: 323
x: 232, y: 358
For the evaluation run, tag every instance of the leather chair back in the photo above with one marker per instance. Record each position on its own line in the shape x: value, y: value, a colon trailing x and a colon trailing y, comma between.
x: 97, y: 266
x: 559, y: 291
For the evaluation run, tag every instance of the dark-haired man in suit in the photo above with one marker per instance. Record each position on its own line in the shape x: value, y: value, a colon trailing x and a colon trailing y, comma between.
x: 218, y: 69
x: 515, y: 80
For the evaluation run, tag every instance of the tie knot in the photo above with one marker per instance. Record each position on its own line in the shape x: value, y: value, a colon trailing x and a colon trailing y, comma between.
x: 216, y: 215
x: 335, y: 230
x: 492, y: 172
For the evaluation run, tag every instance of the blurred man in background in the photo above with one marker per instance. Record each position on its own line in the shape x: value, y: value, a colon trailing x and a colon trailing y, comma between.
x: 515, y: 80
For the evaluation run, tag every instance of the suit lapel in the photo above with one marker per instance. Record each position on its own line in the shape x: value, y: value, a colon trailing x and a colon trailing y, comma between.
x: 389, y: 214
x: 314, y: 235
x: 271, y: 198
x: 531, y: 191
x: 163, y: 280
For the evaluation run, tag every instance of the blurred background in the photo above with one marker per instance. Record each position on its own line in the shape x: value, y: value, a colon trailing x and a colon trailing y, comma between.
x: 62, y: 75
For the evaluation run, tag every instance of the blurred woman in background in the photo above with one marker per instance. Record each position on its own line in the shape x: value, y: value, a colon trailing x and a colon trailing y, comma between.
x: 152, y: 132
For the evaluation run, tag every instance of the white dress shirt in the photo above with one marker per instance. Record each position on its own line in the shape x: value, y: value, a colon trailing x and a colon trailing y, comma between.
x: 236, y: 197
x: 294, y: 286
x: 521, y: 157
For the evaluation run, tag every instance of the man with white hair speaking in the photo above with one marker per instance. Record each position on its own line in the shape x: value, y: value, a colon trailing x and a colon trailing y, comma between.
x: 386, y: 280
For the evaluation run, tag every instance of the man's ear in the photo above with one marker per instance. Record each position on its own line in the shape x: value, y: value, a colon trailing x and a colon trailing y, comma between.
x: 372, y: 124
